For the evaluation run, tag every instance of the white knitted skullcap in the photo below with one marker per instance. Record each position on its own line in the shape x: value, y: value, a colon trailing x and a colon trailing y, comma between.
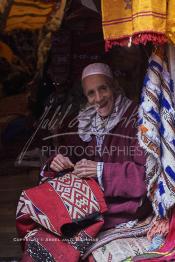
x: 97, y: 69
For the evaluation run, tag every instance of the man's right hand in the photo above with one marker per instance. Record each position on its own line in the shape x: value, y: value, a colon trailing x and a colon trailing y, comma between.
x: 60, y: 163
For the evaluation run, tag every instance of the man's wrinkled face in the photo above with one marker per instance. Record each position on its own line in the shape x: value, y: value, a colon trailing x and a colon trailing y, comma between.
x: 98, y: 90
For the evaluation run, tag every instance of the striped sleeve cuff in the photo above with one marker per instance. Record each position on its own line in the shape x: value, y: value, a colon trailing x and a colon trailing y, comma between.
x: 99, y: 174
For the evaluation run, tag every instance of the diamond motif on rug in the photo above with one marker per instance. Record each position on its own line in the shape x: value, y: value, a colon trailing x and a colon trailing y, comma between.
x: 76, y: 195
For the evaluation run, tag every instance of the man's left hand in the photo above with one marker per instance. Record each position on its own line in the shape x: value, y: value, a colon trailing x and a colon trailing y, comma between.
x: 85, y: 168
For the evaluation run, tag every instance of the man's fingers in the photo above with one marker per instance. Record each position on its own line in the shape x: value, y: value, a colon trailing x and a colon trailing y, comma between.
x: 82, y: 162
x: 55, y: 167
x: 70, y: 164
x: 58, y: 162
x: 63, y: 161
x: 84, y: 172
x: 61, y: 158
x: 79, y: 169
x: 67, y: 163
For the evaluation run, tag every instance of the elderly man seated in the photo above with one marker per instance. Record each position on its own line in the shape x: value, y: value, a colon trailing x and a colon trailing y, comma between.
x: 112, y: 159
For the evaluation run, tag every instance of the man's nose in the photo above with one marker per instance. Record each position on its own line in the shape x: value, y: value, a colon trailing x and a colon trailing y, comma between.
x: 98, y: 97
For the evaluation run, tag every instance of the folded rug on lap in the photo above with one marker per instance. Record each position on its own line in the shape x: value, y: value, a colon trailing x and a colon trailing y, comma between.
x: 66, y: 208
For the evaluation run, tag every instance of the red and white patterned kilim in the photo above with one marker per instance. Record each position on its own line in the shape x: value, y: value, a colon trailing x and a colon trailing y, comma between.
x: 21, y: 208
x: 76, y: 195
x: 26, y: 207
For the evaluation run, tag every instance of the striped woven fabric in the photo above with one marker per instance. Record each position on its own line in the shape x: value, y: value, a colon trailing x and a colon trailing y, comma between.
x: 28, y: 14
x: 138, y: 21
x: 157, y: 135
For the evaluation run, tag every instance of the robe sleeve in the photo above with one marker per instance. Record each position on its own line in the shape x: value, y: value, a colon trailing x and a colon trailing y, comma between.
x: 126, y: 179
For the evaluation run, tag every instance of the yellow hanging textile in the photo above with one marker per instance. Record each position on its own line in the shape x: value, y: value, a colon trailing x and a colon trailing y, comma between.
x: 170, y: 30
x: 138, y: 21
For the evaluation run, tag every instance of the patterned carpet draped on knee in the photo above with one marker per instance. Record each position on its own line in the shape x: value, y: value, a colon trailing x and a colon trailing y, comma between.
x: 66, y: 210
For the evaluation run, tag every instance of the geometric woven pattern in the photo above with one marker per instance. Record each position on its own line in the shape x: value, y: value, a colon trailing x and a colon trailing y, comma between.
x: 157, y: 134
x: 26, y: 207
x: 21, y: 208
x: 76, y: 195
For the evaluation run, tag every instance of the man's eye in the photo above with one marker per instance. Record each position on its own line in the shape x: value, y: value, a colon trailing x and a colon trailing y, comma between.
x: 104, y: 88
x: 90, y: 94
